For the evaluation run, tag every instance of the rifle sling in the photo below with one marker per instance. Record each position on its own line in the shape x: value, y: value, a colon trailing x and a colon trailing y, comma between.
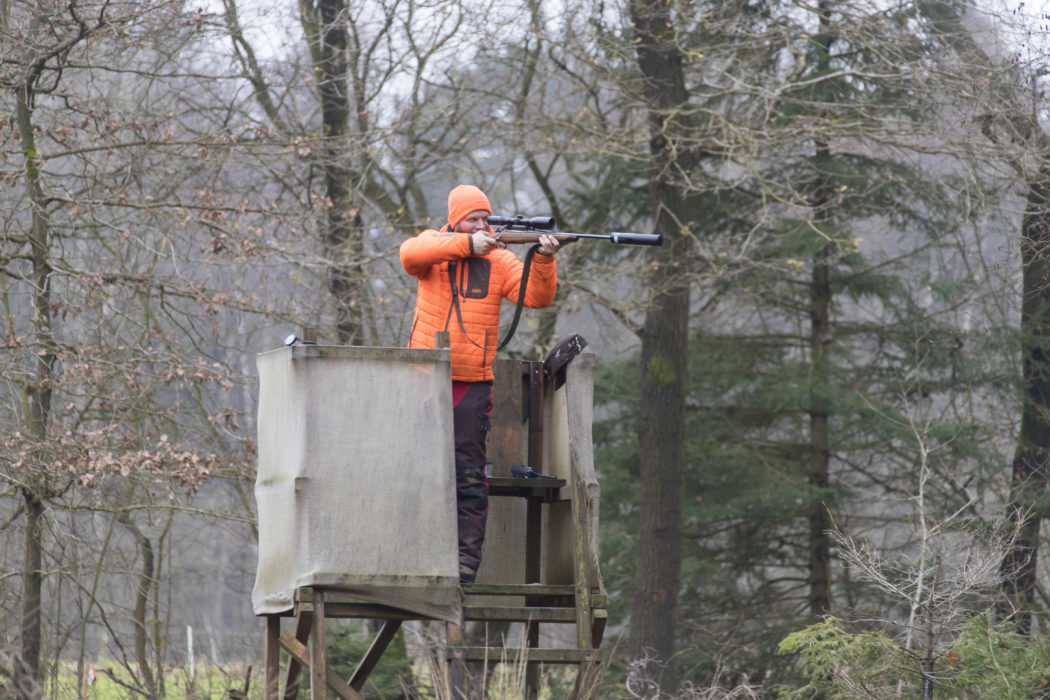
x: 521, y: 295
x: 517, y: 307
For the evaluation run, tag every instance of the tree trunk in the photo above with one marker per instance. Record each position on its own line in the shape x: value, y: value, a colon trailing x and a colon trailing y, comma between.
x: 325, y: 27
x: 661, y: 435
x: 37, y: 395
x: 819, y: 437
x: 818, y: 477
x: 664, y: 354
x: 1029, y: 475
x: 27, y: 674
x: 146, y: 581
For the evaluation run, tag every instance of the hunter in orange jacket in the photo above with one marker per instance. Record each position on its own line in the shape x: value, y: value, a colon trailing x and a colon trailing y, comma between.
x: 443, y: 259
x: 464, y: 274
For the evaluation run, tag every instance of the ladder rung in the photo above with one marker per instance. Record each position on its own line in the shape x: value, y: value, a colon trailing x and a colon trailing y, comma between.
x: 512, y: 654
x: 518, y: 614
x: 534, y: 591
x: 528, y: 589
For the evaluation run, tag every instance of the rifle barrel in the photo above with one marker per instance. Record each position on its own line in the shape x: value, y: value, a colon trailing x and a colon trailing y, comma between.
x: 619, y: 237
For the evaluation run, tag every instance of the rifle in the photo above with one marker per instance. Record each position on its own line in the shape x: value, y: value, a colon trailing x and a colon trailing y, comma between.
x: 518, y: 229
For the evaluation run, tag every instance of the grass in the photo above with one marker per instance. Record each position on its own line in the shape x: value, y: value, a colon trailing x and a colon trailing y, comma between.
x: 505, y: 680
x: 112, y: 682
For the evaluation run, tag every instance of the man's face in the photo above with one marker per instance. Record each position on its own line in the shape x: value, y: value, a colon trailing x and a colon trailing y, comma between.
x: 474, y: 221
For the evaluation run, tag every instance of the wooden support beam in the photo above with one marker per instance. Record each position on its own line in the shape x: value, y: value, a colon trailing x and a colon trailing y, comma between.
x: 272, y: 650
x: 375, y: 651
x: 534, y: 401
x: 318, y: 666
x: 457, y: 671
x: 584, y: 615
x: 303, y: 622
x: 299, y: 651
x: 598, y: 627
x: 533, y: 539
x: 532, y: 670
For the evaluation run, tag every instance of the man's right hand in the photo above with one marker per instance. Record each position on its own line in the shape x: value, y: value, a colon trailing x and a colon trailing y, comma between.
x: 481, y: 243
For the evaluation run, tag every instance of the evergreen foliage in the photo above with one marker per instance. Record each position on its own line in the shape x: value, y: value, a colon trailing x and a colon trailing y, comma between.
x: 984, y: 660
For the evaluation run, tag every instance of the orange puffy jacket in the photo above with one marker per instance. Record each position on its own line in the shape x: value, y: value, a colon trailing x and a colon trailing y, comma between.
x: 482, y: 282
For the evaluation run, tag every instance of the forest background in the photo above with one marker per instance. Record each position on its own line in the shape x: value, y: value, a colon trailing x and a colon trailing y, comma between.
x: 824, y: 402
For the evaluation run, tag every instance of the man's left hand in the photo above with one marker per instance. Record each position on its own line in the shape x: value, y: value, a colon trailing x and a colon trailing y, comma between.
x: 548, y: 244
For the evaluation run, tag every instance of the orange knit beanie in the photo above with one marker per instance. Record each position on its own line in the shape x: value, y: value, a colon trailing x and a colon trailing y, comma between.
x: 463, y: 200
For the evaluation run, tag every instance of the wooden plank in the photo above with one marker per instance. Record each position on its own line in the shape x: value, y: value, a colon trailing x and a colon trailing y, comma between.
x: 535, y: 400
x: 590, y: 594
x: 518, y: 589
x: 507, y: 436
x: 539, y: 656
x: 299, y: 651
x: 368, y: 611
x: 518, y: 614
x: 342, y: 604
x: 334, y: 595
x: 375, y: 652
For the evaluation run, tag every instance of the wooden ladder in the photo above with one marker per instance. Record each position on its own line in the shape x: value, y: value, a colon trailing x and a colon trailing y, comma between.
x: 532, y: 603
x: 542, y: 604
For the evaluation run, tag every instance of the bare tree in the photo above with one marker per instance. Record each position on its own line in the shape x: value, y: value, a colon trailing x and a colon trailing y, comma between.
x: 1008, y: 99
x: 112, y: 355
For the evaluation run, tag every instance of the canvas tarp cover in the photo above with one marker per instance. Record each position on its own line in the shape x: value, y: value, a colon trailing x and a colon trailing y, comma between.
x: 356, y: 487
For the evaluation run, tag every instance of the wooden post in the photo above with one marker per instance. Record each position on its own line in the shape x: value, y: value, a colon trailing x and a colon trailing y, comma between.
x: 318, y: 677
x: 272, y: 673
x: 534, y: 518
x: 535, y: 407
x: 457, y: 669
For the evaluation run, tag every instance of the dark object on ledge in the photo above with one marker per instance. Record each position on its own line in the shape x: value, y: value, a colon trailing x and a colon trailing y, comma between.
x: 524, y: 471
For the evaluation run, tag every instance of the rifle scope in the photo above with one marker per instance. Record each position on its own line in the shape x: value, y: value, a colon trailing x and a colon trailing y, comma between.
x: 545, y: 223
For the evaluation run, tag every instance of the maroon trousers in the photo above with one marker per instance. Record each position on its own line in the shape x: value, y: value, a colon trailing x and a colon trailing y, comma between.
x: 471, y: 408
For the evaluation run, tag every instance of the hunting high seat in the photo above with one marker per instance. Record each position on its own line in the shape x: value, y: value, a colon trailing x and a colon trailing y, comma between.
x: 353, y: 439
